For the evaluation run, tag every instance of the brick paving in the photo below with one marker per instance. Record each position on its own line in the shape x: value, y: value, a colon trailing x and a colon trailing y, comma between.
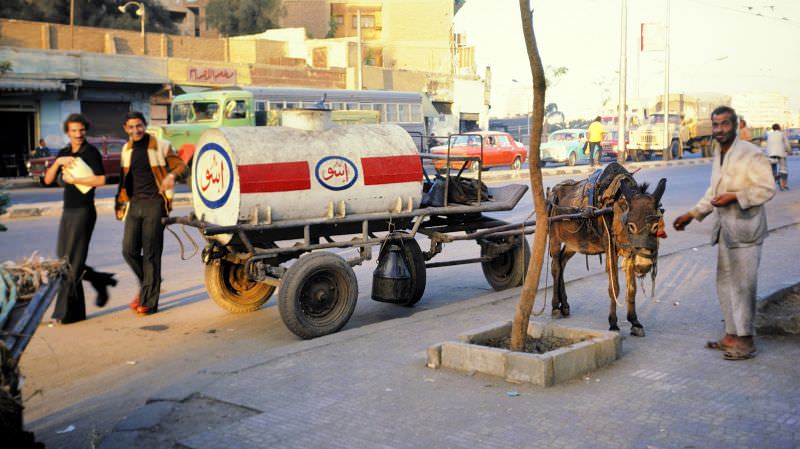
x: 369, y: 387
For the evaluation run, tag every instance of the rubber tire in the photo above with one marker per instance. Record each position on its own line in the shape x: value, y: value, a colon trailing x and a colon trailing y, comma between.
x: 235, y: 295
x: 507, y: 270
x: 542, y: 164
x: 517, y: 164
x: 572, y: 159
x: 416, y: 266
x: 323, y: 267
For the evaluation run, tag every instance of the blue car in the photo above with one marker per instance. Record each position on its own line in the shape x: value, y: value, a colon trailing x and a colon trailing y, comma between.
x: 566, y: 145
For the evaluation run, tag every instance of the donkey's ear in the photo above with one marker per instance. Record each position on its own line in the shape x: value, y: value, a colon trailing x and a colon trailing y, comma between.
x: 660, y: 188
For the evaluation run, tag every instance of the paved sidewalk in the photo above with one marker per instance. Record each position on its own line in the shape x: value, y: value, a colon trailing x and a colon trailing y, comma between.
x: 106, y: 205
x: 369, y: 387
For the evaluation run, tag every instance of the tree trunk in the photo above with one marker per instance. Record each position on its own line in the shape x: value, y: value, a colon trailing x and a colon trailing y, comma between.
x: 527, y: 298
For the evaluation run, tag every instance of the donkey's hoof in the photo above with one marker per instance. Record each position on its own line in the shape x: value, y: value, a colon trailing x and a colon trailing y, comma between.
x: 565, y: 311
x: 556, y: 314
x: 637, y: 331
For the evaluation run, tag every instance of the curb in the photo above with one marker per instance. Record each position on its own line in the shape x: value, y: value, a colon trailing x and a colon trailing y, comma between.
x: 53, y: 208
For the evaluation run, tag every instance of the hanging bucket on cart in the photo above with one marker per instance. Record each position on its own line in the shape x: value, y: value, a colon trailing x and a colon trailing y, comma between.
x: 391, y: 280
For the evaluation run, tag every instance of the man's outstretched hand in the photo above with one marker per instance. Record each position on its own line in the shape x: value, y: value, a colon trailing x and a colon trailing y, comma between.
x: 680, y: 223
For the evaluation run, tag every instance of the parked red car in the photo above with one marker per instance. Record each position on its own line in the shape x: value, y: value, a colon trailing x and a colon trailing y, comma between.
x: 610, y: 145
x: 110, y: 148
x: 499, y: 150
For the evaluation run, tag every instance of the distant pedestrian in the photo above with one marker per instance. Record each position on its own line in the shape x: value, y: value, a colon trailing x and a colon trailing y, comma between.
x: 41, y: 150
x: 78, y: 220
x: 741, y: 183
x: 144, y: 196
x: 595, y: 137
x: 744, y: 132
x: 778, y: 149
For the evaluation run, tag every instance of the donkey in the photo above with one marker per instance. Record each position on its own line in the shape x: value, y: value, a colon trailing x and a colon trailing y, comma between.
x: 629, y: 230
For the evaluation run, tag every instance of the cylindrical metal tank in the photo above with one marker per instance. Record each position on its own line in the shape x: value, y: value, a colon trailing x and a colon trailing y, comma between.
x: 265, y: 174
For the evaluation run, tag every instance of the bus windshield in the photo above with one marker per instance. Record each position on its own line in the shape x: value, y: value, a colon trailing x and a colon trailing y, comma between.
x: 198, y: 111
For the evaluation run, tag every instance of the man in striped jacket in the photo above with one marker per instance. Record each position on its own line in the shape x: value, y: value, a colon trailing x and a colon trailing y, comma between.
x: 148, y: 169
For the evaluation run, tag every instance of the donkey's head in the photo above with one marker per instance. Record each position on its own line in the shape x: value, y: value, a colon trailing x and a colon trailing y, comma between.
x: 639, y: 221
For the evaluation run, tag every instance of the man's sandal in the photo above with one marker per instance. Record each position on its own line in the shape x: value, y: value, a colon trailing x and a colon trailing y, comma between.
x: 739, y: 353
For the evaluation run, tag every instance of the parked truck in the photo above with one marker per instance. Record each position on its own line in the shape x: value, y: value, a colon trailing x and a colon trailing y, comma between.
x: 688, y: 124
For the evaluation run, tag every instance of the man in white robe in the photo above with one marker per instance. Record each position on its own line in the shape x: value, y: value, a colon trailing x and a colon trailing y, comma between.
x: 741, y: 182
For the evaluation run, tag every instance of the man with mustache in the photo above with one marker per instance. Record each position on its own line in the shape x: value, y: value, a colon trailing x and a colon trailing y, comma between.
x: 77, y: 221
x: 148, y: 167
x: 741, y: 182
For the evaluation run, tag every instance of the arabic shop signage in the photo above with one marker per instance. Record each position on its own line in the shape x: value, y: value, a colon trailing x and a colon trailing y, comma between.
x: 336, y: 172
x: 211, y: 75
x: 213, y: 175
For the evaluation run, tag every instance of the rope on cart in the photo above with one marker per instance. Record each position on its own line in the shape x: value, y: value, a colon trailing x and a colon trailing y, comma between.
x: 180, y: 242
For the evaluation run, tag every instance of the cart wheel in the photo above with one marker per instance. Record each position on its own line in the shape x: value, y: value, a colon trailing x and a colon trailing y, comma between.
x: 416, y: 266
x: 507, y: 270
x: 318, y: 295
x: 228, y: 285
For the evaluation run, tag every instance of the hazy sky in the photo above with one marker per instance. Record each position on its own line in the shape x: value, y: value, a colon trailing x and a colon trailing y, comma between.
x: 724, y: 46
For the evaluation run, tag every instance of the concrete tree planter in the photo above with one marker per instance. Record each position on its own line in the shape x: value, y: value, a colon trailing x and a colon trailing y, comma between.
x: 593, y: 350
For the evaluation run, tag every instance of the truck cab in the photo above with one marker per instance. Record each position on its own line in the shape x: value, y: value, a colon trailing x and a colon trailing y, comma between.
x: 191, y: 114
x: 648, y: 139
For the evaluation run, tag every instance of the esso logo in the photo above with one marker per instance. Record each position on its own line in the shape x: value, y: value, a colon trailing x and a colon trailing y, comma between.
x: 336, y: 172
x: 213, y: 175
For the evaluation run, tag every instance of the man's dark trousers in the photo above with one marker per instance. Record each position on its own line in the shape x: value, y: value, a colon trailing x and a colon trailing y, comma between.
x: 74, y: 233
x: 142, y: 245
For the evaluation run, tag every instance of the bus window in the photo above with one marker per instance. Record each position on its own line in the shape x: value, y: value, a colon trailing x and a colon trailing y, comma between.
x: 403, y: 112
x: 292, y: 105
x: 276, y: 105
x: 261, y: 105
x: 391, y: 113
x: 366, y: 107
x: 416, y: 112
x: 337, y: 106
x: 352, y: 106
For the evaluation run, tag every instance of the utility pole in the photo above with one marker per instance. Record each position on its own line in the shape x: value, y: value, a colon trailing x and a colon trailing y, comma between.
x: 72, y: 24
x: 665, y: 102
x: 622, y: 149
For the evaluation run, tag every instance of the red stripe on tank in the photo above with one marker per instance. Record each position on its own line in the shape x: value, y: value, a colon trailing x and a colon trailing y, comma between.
x: 391, y: 169
x: 275, y: 177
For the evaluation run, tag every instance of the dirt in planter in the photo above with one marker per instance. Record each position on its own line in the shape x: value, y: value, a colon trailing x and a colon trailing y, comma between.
x: 533, y: 345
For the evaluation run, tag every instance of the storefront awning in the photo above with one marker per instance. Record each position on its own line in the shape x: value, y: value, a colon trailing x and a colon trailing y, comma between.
x: 21, y: 85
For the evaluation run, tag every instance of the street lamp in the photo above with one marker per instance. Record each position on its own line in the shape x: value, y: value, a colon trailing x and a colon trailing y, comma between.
x: 141, y: 13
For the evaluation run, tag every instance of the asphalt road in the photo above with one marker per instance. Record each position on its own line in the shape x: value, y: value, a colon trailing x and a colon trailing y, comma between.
x: 91, y: 374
